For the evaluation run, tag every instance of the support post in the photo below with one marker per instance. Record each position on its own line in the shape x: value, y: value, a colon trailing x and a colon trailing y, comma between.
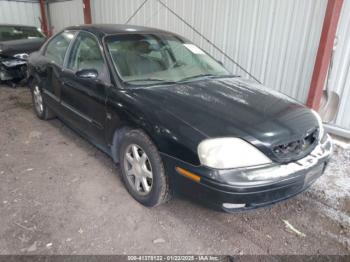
x: 87, y: 12
x: 44, y: 26
x: 324, y: 53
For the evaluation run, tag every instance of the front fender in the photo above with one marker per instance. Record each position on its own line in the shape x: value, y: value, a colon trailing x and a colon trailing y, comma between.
x: 171, y: 135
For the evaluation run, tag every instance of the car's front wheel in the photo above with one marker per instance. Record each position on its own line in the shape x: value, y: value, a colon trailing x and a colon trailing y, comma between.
x: 40, y: 108
x: 142, y: 169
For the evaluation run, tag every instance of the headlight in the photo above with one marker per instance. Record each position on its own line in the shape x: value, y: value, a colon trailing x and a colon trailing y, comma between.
x: 23, y: 56
x: 225, y: 153
x: 320, y: 124
x: 13, y: 62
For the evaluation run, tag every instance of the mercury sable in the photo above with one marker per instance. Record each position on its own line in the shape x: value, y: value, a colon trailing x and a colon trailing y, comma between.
x: 175, y: 119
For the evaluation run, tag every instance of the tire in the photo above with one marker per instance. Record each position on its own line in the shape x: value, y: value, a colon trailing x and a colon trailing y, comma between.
x: 159, y: 186
x: 40, y: 108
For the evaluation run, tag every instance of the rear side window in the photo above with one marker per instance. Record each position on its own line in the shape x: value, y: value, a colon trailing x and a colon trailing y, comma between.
x: 57, y: 48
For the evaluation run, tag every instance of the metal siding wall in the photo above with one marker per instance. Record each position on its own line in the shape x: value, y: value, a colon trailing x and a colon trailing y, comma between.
x: 67, y: 13
x: 339, y: 79
x: 275, y: 40
x: 26, y: 13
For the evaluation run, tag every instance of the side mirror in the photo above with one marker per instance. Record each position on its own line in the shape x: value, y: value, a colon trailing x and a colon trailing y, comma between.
x: 87, y: 74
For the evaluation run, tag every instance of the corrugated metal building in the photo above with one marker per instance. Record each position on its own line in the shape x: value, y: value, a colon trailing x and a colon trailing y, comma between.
x: 275, y: 40
x: 65, y: 13
x: 20, y: 12
x: 339, y: 80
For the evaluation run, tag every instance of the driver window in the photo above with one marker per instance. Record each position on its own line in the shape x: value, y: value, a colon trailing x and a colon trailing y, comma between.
x: 86, y: 54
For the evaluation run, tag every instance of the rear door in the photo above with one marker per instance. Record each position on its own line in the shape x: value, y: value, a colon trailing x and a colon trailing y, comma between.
x: 86, y: 98
x: 51, y: 69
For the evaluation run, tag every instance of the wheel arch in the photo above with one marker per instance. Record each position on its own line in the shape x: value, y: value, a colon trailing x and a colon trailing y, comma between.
x: 32, y: 78
x: 119, y: 133
x: 116, y: 141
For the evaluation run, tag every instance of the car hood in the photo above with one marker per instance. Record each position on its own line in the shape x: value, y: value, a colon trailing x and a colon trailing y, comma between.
x: 234, y: 107
x: 10, y: 48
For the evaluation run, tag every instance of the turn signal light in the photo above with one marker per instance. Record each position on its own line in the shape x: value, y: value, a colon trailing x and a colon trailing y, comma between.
x: 188, y: 174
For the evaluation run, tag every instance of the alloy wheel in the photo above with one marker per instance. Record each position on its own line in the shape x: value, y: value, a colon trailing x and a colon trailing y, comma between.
x: 138, y: 169
x: 38, y: 100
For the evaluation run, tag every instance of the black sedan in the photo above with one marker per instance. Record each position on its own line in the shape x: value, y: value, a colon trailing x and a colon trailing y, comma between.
x: 175, y: 119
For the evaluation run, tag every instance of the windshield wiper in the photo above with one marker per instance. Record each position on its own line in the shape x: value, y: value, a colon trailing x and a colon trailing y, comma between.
x: 196, y: 76
x: 162, y: 81
x: 206, y: 75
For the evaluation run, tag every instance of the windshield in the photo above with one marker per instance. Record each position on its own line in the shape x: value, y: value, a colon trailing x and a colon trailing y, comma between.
x: 149, y: 58
x: 8, y: 33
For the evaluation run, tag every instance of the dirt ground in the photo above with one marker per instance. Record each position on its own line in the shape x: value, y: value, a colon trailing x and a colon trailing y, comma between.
x: 60, y: 195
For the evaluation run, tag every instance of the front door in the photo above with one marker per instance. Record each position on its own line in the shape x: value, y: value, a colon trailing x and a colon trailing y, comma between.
x: 50, y: 68
x: 85, y: 98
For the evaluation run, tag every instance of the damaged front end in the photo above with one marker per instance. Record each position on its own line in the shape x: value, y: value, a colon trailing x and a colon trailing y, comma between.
x: 13, y: 68
x: 17, y: 42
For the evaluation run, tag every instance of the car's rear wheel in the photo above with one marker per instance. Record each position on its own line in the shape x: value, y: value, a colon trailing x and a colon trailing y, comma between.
x: 142, y: 169
x: 40, y: 108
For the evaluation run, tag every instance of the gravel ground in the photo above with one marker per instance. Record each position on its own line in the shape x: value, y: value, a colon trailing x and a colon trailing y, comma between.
x: 60, y: 195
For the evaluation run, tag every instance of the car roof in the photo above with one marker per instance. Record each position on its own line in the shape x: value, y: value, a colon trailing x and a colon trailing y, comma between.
x: 110, y: 29
x: 12, y: 25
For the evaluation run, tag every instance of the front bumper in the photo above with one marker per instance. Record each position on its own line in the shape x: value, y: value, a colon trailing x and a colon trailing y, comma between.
x: 13, y: 71
x: 267, y: 185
